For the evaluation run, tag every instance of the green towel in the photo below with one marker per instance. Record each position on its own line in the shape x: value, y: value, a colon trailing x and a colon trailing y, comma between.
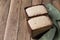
x: 53, y: 33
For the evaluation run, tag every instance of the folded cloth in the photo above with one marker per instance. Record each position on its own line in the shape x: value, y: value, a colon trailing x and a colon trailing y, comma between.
x: 53, y: 33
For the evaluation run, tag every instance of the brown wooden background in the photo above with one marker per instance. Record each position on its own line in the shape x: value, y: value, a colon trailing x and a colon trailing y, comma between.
x: 13, y: 24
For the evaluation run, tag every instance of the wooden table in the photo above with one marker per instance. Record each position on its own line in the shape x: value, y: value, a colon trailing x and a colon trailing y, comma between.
x: 15, y: 24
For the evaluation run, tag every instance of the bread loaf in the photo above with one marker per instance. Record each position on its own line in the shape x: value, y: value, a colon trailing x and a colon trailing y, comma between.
x: 39, y: 21
x: 36, y: 10
x: 39, y: 24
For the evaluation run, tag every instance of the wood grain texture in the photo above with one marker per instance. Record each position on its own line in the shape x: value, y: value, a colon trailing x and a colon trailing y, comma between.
x: 47, y: 1
x: 4, y: 10
x: 56, y: 3
x: 17, y: 27
x: 24, y: 32
x: 36, y: 2
x: 12, y: 21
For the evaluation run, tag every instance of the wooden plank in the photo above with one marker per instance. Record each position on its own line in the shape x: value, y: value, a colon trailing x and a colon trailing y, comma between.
x: 12, y: 21
x: 4, y: 10
x: 56, y: 3
x: 36, y: 2
x: 46, y: 1
x: 24, y: 31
